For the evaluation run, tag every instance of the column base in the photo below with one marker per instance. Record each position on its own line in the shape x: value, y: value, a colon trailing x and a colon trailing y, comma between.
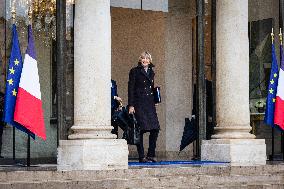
x: 93, y: 154
x: 245, y: 152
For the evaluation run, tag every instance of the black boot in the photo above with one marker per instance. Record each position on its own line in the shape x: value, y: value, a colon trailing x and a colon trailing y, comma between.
x: 143, y: 160
x: 151, y: 159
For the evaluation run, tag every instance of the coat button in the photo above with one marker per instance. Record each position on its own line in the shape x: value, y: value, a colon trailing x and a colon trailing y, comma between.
x: 151, y: 93
x: 150, y: 87
x: 145, y: 88
x: 144, y: 81
x: 152, y: 81
x: 147, y: 94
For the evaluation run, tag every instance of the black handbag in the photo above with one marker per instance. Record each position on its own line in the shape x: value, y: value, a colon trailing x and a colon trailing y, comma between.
x: 132, y: 132
x: 120, y: 118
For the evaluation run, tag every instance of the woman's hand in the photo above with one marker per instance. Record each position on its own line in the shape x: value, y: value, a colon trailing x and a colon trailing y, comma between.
x: 131, y: 110
x: 118, y: 98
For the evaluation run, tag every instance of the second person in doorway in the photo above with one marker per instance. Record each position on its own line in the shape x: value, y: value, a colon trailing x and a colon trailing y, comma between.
x: 141, y: 102
x: 115, y: 102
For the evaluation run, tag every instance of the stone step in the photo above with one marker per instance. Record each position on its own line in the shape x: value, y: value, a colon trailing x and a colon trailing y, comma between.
x: 245, y: 186
x: 203, y: 181
x: 26, y: 176
x: 167, y: 177
x: 197, y: 182
x: 266, y: 186
x: 108, y: 184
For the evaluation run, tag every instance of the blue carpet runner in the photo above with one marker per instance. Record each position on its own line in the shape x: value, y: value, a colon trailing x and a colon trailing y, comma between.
x: 176, y: 163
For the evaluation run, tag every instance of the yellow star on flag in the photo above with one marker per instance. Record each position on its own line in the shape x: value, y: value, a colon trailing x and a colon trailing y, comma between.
x: 10, y: 81
x: 271, y: 90
x: 14, y: 92
x: 272, y: 81
x: 16, y: 62
x: 273, y: 100
x: 12, y: 71
x: 275, y: 75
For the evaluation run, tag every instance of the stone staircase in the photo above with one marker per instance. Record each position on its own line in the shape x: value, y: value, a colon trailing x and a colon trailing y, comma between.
x: 208, y: 177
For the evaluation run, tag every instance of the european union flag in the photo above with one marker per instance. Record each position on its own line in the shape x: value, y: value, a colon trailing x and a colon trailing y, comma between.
x: 272, y: 90
x: 13, y: 80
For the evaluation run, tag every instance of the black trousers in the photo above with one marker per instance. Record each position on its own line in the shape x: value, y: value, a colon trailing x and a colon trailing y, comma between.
x: 152, y: 143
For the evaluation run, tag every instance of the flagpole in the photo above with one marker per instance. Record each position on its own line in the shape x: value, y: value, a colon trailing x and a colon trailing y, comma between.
x: 13, y: 15
x: 281, y: 39
x: 14, y: 144
x: 272, y: 128
x: 29, y: 151
x: 272, y: 36
x: 29, y: 138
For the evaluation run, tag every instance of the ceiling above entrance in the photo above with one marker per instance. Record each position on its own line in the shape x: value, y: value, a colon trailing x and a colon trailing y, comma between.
x: 154, y: 5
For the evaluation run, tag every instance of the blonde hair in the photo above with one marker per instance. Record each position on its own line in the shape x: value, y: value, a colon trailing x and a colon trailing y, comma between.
x: 145, y: 54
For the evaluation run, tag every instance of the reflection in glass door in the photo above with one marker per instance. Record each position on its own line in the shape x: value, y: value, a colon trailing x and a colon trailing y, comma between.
x: 14, y: 142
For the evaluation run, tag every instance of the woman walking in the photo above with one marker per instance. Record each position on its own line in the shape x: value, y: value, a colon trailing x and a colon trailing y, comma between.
x: 141, y: 102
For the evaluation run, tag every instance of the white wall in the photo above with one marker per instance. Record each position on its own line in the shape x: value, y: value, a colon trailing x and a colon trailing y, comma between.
x: 178, y: 75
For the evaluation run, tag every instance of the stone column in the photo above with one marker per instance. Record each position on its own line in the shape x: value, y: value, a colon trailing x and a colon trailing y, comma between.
x: 92, y: 146
x: 232, y: 141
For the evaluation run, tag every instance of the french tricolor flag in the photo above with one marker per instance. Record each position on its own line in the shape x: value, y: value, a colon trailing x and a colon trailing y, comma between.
x: 28, y: 109
x: 279, y: 104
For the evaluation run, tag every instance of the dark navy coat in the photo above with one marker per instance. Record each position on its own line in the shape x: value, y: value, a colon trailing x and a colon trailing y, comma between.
x: 140, y: 95
x: 114, y: 103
